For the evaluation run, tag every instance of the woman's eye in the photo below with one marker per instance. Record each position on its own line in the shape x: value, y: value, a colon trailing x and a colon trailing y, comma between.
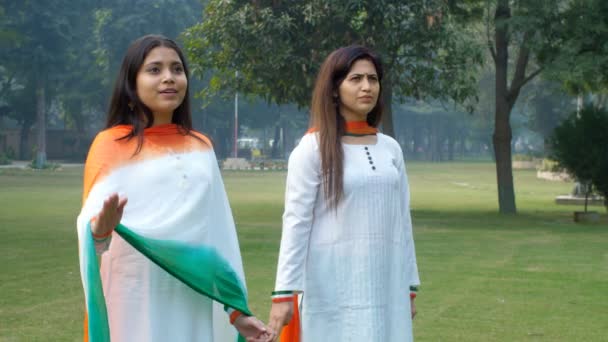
x: 154, y: 70
x: 179, y: 69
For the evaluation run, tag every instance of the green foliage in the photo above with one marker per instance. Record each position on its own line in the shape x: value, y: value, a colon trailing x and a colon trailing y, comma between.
x: 580, y: 145
x: 277, y: 47
x: 578, y: 54
x: 5, y: 159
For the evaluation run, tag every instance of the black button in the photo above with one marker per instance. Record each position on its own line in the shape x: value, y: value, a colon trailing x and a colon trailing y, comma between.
x: 370, y: 158
x: 367, y: 153
x: 371, y: 162
x: 366, y: 147
x: 373, y: 167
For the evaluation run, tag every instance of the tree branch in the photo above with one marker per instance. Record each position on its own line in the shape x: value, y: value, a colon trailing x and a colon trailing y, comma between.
x: 490, y: 43
x: 531, y: 76
x: 519, y: 77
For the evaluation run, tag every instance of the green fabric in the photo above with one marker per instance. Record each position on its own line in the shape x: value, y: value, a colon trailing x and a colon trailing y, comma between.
x: 202, y: 268
x: 97, y: 313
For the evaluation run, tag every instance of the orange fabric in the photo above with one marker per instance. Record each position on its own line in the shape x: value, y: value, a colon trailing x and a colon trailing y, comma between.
x: 234, y: 315
x: 282, y: 299
x: 86, y: 326
x: 107, y: 153
x: 360, y: 127
x: 353, y: 127
x: 291, y: 332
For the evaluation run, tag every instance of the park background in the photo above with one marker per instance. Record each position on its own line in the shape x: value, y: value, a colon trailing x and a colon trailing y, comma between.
x: 476, y: 89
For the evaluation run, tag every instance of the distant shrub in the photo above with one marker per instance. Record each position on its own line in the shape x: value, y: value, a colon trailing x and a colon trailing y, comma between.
x: 522, y: 157
x: 549, y: 165
x: 5, y: 159
x: 580, y: 145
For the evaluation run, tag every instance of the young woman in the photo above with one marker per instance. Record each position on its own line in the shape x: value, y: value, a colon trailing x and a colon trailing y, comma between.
x: 169, y: 262
x: 347, y: 244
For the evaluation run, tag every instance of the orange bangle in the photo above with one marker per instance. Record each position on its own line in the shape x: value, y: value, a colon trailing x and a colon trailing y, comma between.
x: 99, y: 237
x: 234, y: 315
x: 282, y: 299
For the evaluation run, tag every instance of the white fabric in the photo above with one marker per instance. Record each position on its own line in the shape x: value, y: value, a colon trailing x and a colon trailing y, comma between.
x: 178, y: 196
x: 354, y: 266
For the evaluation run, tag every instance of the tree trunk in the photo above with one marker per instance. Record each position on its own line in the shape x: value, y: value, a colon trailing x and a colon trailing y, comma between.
x: 451, y: 142
x: 387, y: 115
x: 24, y: 136
x: 502, y: 127
x: 41, y: 125
x: 79, y: 120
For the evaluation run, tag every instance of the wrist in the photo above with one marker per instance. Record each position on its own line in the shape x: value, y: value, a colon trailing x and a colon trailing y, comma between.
x: 234, y: 315
x: 283, y: 296
x: 413, y: 292
x: 97, y: 235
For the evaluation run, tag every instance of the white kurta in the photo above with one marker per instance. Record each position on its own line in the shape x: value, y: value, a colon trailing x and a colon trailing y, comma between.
x: 354, y: 266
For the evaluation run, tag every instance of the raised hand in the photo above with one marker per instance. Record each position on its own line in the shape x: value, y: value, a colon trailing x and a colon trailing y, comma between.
x: 109, y: 216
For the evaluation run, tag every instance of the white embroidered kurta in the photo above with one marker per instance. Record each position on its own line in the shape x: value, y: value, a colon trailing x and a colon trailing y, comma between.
x: 354, y: 266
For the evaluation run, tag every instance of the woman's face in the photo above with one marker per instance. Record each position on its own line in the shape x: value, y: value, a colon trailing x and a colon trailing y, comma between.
x: 161, y: 83
x: 359, y: 91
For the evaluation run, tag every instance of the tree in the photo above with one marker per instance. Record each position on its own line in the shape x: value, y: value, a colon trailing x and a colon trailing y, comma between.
x: 580, y: 145
x: 564, y: 39
x: 549, y: 104
x: 277, y: 47
x: 582, y: 58
x: 37, y: 55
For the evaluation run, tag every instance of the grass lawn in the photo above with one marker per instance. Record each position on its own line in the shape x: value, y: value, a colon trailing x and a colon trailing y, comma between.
x: 535, y: 276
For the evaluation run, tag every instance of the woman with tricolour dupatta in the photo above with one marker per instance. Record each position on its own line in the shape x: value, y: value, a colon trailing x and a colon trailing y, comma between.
x: 159, y: 254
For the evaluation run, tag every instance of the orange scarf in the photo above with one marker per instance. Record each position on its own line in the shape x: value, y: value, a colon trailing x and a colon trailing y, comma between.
x: 354, y: 128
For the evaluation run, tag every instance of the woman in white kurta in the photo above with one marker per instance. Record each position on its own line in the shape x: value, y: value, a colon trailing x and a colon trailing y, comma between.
x: 170, y: 267
x: 351, y: 259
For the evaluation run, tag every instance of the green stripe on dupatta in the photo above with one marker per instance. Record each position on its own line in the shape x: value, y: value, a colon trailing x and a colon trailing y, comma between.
x: 202, y: 268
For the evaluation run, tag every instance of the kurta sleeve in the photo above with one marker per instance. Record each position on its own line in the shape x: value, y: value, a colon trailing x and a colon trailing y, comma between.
x: 412, y: 266
x: 303, y: 180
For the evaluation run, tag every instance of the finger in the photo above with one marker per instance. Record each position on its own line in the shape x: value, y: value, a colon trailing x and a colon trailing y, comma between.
x: 271, y: 336
x: 275, y: 326
x: 122, y: 203
x: 121, y: 207
x: 114, y: 200
x: 258, y: 324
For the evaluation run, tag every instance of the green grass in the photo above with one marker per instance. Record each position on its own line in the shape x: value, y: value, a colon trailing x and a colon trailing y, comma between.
x: 535, y: 276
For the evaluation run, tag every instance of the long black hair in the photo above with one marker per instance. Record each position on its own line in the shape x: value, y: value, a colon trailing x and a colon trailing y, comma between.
x: 126, y: 108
